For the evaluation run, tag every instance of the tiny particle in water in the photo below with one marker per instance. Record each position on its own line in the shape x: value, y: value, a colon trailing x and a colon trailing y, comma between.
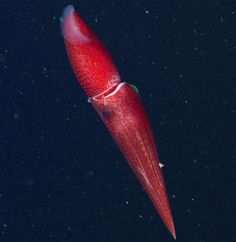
x: 15, y: 115
x: 30, y: 182
x: 222, y: 20
x: 89, y: 174
x: 2, y: 58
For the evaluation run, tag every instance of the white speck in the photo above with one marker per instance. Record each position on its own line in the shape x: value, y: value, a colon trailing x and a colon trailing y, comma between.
x: 101, y: 212
x: 2, y: 58
x: 161, y: 165
x: 222, y: 20
x: 15, y: 115
x: 146, y: 11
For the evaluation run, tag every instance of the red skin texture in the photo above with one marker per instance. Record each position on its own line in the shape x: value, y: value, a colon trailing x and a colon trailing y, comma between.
x: 89, y: 58
x: 124, y: 116
x: 120, y: 108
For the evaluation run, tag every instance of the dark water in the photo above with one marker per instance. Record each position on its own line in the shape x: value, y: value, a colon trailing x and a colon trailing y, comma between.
x: 62, y: 178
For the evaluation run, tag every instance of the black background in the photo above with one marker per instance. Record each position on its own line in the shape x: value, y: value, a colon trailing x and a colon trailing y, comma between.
x: 62, y: 178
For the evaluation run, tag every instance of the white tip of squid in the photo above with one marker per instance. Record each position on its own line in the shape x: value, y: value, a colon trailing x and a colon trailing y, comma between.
x: 68, y: 11
x: 70, y: 28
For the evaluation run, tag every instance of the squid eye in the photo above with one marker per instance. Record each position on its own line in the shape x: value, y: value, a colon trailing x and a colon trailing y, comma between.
x: 105, y: 114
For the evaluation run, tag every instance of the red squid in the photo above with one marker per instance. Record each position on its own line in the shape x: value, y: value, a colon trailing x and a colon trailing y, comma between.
x: 119, y: 106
